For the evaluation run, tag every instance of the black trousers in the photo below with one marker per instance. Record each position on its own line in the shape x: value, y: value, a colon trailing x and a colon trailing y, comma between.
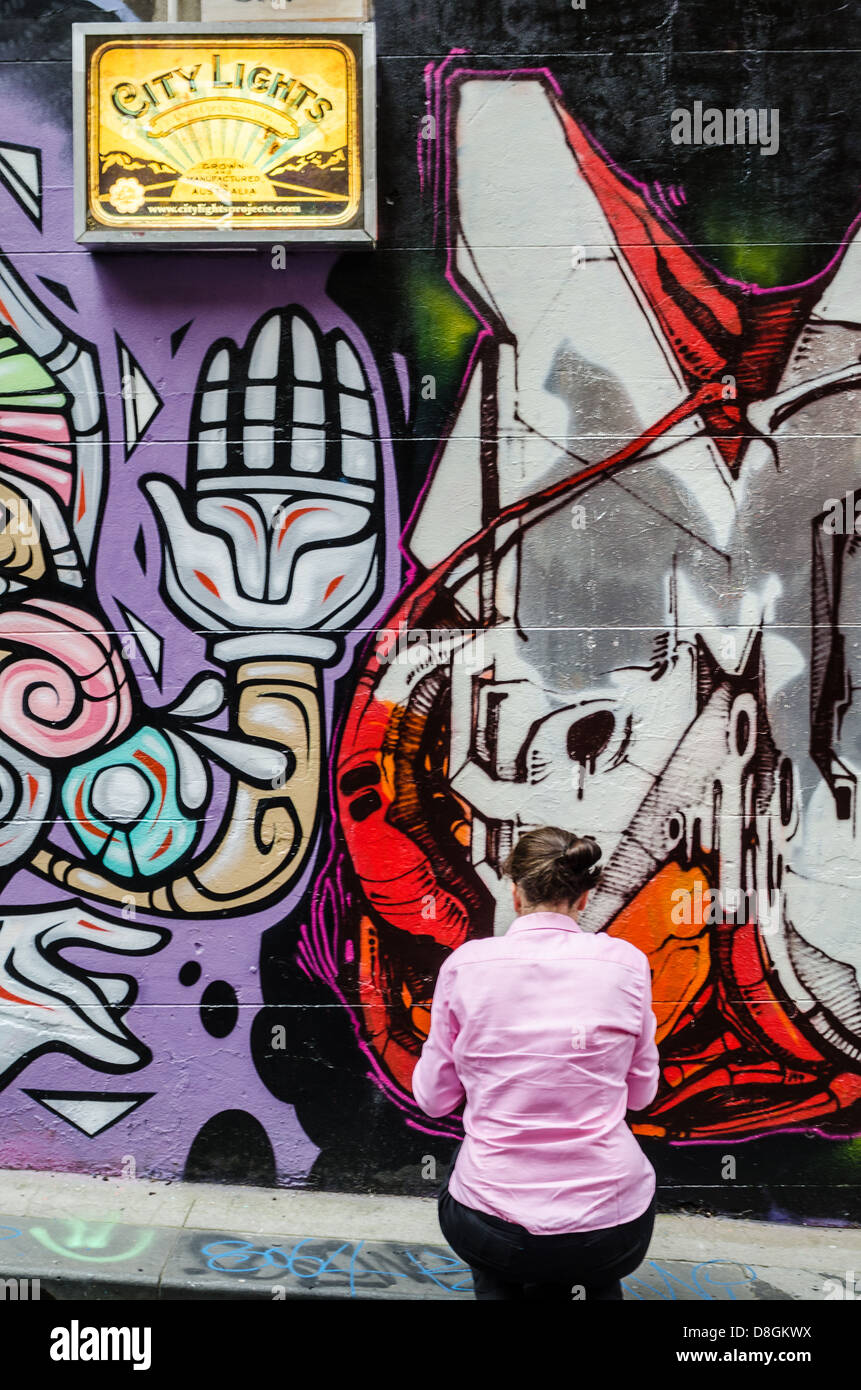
x: 509, y: 1262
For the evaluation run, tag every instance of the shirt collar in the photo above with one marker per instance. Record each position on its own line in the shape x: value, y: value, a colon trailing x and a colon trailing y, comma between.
x: 543, y: 921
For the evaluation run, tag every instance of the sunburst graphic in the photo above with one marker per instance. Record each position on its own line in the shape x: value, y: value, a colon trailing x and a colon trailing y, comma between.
x: 196, y: 150
x: 229, y: 150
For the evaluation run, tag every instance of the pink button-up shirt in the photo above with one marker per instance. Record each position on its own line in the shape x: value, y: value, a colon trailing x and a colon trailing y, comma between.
x: 548, y: 1034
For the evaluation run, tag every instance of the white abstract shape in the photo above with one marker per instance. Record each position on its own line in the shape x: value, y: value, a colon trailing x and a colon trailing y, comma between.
x: 306, y: 358
x: 152, y: 645
x: 308, y: 405
x: 213, y: 406
x: 841, y: 299
x: 309, y: 589
x: 205, y: 698
x: 356, y: 414
x: 586, y: 336
x: 141, y: 401
x: 349, y: 367
x: 120, y: 794
x: 697, y: 469
x: 308, y: 452
x: 263, y: 365
x: 260, y: 402
x: 252, y: 760
x: 358, y: 458
x: 212, y: 448
x: 91, y: 1114
x: 219, y: 367
x: 21, y: 173
x: 258, y: 442
x: 193, y: 777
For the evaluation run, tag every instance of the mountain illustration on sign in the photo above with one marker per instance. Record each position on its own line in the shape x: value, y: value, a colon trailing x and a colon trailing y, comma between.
x: 322, y: 171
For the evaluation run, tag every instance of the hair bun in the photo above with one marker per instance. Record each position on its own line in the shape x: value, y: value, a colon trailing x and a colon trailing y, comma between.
x: 583, y: 854
x: 552, y: 865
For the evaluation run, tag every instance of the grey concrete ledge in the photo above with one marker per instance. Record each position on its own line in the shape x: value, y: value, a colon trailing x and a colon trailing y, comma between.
x: 84, y: 1237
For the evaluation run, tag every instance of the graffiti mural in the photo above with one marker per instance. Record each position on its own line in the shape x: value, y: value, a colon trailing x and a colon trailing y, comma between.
x: 613, y: 633
x: 191, y: 551
x: 278, y: 691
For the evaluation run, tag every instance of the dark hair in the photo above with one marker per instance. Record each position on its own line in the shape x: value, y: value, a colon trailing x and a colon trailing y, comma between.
x: 550, y: 865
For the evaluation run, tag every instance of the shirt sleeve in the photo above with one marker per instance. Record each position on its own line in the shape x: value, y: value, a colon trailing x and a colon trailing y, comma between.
x: 644, y: 1072
x: 436, y: 1086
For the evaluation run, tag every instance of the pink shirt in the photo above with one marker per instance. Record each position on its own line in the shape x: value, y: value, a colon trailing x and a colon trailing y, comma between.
x: 548, y: 1034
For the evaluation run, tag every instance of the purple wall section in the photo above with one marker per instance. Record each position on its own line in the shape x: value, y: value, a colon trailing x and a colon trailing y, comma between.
x: 144, y: 300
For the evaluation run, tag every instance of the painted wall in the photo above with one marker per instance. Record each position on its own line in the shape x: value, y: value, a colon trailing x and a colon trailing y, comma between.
x: 325, y: 576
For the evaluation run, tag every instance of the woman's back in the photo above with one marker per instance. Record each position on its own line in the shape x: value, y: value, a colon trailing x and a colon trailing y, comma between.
x: 549, y: 1034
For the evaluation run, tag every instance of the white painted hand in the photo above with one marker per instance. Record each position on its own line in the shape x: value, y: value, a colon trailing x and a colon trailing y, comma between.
x: 279, y: 530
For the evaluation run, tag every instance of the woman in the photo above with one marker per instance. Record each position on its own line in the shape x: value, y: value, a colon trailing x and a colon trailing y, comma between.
x: 548, y: 1035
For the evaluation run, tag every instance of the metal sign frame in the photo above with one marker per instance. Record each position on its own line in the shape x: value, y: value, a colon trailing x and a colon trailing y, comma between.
x: 362, y: 228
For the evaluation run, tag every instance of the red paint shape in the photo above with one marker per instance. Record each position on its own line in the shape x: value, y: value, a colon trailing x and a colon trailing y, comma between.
x: 646, y: 242
x: 246, y: 518
x: 33, y: 786
x: 207, y: 583
x: 90, y: 926
x: 79, y: 812
x: 294, y: 516
x: 332, y: 586
x: 16, y: 999
x: 165, y: 844
x: 158, y: 773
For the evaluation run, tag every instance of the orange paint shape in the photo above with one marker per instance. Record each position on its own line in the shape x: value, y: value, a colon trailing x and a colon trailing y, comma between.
x: 679, y: 953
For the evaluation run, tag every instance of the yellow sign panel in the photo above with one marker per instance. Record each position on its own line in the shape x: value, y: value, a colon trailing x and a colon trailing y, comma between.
x: 256, y: 133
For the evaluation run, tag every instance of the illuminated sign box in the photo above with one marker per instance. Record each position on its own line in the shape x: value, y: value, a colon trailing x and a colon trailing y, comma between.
x: 193, y: 133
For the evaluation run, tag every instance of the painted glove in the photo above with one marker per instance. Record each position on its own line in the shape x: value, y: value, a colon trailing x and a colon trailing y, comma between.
x: 276, y: 542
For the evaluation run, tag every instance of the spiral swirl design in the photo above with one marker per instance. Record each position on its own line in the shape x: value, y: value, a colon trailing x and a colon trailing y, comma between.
x: 63, y: 687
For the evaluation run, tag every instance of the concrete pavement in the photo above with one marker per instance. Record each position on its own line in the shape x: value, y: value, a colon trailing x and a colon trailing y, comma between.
x: 84, y: 1237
